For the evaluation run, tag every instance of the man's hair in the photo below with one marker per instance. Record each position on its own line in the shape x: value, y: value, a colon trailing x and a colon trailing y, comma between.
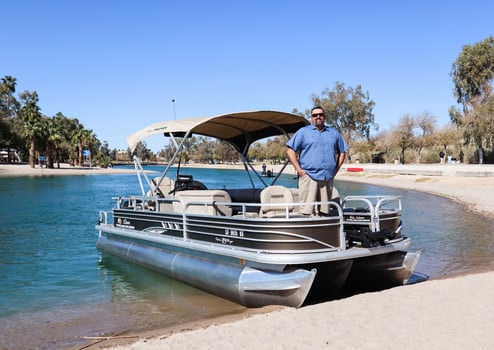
x: 317, y: 107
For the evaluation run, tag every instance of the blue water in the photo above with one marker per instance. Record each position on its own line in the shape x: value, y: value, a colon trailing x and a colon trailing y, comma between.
x: 55, y: 286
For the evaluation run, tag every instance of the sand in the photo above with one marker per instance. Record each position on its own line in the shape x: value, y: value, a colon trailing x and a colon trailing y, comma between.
x: 441, y: 314
x: 454, y: 313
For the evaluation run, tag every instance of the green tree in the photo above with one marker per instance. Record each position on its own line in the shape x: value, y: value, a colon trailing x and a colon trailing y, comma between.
x: 205, y: 150
x: 473, y: 74
x: 143, y: 152
x: 105, y: 155
x: 90, y: 142
x: 347, y: 109
x: 76, y: 138
x: 32, y: 122
x: 276, y: 149
x: 7, y: 91
x: 258, y: 151
x: 54, y: 137
x: 9, y: 137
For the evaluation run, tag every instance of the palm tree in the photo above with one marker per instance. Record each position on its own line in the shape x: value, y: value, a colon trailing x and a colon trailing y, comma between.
x: 32, y: 122
x: 76, y: 136
x: 88, y: 139
x: 9, y: 82
x: 55, y: 138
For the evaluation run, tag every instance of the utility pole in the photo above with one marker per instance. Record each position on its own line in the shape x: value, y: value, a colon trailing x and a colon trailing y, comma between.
x: 174, y: 114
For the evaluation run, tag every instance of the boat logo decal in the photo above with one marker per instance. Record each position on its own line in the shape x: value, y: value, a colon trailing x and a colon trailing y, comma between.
x: 171, y: 225
x: 357, y: 218
x: 124, y: 223
x: 223, y: 240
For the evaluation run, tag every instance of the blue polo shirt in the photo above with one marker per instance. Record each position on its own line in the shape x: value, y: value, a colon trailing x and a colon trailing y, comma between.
x: 319, y: 150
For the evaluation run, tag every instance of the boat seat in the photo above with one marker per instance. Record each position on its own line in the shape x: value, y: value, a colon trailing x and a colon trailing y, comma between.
x: 273, y: 195
x: 296, y: 198
x: 245, y: 195
x: 165, y: 187
x: 206, y: 202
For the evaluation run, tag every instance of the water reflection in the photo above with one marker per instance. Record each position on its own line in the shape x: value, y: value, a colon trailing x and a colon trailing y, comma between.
x: 151, y: 293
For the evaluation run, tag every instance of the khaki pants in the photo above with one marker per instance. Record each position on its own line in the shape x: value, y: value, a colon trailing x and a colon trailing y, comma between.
x: 314, y: 191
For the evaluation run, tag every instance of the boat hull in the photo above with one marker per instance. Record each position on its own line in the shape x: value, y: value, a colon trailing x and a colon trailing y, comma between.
x: 242, y: 284
x: 381, y: 271
x: 257, y: 283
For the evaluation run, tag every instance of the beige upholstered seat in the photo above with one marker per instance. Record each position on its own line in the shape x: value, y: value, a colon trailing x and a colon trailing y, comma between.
x: 204, y: 202
x: 273, y: 195
x: 166, y: 185
x: 336, y: 196
x: 296, y: 198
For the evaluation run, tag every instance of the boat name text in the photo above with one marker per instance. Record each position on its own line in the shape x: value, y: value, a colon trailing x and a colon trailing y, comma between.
x: 234, y: 233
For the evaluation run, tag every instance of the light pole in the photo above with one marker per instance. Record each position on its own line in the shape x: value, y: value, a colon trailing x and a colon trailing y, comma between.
x: 403, y: 149
x: 174, y: 115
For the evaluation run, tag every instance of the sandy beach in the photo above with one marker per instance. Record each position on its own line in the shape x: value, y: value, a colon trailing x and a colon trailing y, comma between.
x: 453, y: 313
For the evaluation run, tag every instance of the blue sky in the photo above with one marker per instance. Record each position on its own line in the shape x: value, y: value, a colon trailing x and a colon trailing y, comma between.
x: 116, y: 65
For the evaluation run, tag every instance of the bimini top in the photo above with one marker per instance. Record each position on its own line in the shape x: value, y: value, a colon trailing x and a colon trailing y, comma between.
x: 239, y: 129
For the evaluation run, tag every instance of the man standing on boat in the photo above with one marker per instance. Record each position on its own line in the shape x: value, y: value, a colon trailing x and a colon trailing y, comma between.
x: 322, y: 152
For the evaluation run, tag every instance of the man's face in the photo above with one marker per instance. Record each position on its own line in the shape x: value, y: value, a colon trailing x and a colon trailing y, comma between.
x: 318, y: 118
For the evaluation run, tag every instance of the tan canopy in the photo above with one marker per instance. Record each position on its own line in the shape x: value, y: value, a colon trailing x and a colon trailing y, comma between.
x: 239, y: 129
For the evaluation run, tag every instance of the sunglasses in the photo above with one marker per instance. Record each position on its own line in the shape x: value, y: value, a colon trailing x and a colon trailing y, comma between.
x: 315, y: 115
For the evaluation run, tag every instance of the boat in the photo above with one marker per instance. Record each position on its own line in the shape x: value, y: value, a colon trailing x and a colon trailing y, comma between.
x: 250, y: 244
x: 268, y: 173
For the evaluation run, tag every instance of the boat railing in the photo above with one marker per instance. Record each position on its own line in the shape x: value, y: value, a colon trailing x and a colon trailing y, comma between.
x: 103, y: 217
x: 376, y: 202
x: 198, y: 207
x: 189, y: 208
x: 212, y: 206
x: 369, y: 208
x: 246, y: 210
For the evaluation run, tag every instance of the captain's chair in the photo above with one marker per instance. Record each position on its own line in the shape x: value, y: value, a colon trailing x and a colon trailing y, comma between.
x: 165, y: 187
x: 276, y: 194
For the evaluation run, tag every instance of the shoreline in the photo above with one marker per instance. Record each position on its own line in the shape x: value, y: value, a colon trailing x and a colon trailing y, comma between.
x: 427, y: 314
x: 421, y: 316
x: 24, y: 169
x: 471, y: 185
x: 463, y: 183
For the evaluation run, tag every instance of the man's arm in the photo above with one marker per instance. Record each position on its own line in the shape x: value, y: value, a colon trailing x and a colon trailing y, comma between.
x: 292, y: 156
x: 341, y: 161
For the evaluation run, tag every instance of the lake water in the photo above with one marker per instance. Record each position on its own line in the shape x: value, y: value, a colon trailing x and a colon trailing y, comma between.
x: 56, y: 287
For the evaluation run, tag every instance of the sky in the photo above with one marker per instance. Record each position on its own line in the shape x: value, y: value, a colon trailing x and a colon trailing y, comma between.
x: 118, y: 65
